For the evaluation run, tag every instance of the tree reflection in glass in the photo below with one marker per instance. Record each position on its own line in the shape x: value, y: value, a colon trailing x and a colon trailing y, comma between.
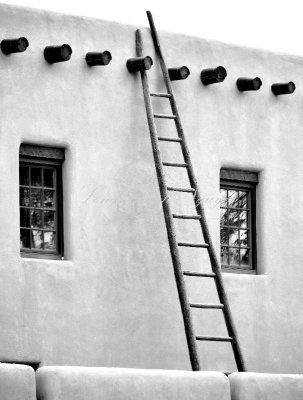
x: 232, y: 198
x: 224, y: 255
x: 37, y: 239
x: 36, y: 178
x: 36, y: 195
x: 37, y: 207
x: 50, y: 240
x: 223, y: 216
x: 36, y: 219
x: 234, y: 227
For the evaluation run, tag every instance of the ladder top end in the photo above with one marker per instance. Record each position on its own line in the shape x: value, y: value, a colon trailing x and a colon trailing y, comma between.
x: 149, y: 15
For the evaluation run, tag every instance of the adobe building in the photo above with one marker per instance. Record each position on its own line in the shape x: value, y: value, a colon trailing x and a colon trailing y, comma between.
x: 86, y: 270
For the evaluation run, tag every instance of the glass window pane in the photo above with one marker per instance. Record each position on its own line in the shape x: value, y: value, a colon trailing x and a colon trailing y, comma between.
x: 24, y: 217
x: 36, y: 219
x: 24, y: 176
x: 237, y: 224
x: 244, y: 256
x: 25, y: 239
x: 49, y: 199
x: 243, y: 197
x: 36, y: 177
x: 48, y: 175
x: 243, y: 217
x: 233, y: 198
x: 223, y: 216
x: 24, y: 197
x: 233, y: 218
x: 233, y: 256
x: 234, y: 237
x: 49, y: 219
x: 224, y: 255
x: 36, y: 195
x: 39, y: 216
x: 50, y: 240
x: 223, y: 197
x: 37, y: 239
x: 243, y: 237
x: 224, y: 235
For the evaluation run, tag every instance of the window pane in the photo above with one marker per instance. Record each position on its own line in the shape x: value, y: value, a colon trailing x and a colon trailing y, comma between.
x: 37, y: 239
x: 243, y: 219
x: 233, y: 218
x: 40, y: 201
x: 233, y: 237
x: 36, y: 195
x: 49, y: 199
x: 49, y: 219
x: 234, y: 256
x: 237, y: 220
x: 36, y: 219
x: 223, y: 216
x: 243, y: 237
x: 224, y: 235
x: 24, y: 197
x: 24, y: 217
x: 48, y: 175
x: 244, y: 256
x: 50, y: 240
x: 224, y: 255
x: 25, y: 239
x: 243, y: 199
x: 233, y: 198
x: 24, y: 176
x: 223, y: 197
x: 36, y: 177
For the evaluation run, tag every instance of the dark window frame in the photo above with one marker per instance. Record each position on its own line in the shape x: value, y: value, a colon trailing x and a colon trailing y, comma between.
x: 44, y: 157
x: 240, y: 180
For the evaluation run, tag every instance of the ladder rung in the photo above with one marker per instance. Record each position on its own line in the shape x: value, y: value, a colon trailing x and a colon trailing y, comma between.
x: 173, y: 164
x: 214, y: 306
x: 193, y: 244
x: 200, y: 274
x: 169, y: 139
x: 176, y: 189
x: 184, y: 216
x: 215, y: 338
x: 167, y: 95
x: 167, y: 116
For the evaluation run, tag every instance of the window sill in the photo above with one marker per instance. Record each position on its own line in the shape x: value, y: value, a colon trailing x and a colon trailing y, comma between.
x: 41, y: 256
x: 44, y: 262
x: 238, y: 271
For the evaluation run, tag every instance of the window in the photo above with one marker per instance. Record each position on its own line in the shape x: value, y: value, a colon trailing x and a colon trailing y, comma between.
x: 40, y: 185
x: 238, y: 219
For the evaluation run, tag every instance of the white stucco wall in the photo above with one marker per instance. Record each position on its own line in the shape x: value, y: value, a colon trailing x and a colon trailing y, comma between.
x: 113, y: 301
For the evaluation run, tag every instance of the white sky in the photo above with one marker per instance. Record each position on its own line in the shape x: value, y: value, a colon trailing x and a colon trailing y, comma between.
x: 268, y: 24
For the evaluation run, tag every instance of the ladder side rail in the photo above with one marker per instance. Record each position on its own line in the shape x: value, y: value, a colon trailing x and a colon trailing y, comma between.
x: 180, y: 282
x: 199, y: 206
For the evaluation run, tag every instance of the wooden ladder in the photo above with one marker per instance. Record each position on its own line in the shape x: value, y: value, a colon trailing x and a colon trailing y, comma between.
x: 169, y: 216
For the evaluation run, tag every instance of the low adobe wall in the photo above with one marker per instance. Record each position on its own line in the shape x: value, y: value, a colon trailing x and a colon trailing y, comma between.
x: 17, y: 382
x: 86, y: 383
x: 254, y: 386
